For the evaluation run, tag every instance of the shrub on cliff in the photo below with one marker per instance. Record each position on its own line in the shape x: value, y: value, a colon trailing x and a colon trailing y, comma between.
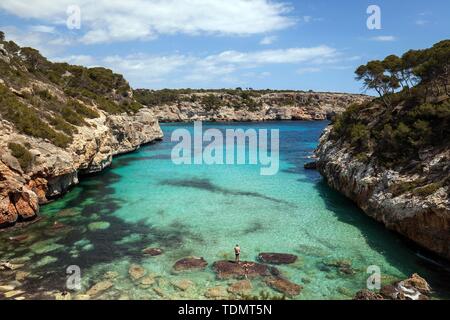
x: 27, y: 120
x: 396, y: 127
x: 24, y: 157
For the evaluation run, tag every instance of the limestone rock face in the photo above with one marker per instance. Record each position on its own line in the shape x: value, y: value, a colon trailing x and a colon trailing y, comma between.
x: 271, y: 106
x: 423, y: 218
x: 55, y: 170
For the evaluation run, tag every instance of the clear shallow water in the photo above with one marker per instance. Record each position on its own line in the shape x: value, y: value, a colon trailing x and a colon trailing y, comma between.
x: 144, y: 200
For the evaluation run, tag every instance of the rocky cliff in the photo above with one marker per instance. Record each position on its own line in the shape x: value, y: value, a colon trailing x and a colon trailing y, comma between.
x: 245, y: 105
x: 58, y: 121
x: 392, y: 155
x: 414, y: 203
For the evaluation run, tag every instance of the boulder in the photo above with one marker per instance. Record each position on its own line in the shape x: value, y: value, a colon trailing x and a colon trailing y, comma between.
x: 367, y: 295
x: 190, y: 263
x: 277, y: 258
x: 183, y: 284
x: 136, y: 271
x: 310, y: 165
x: 99, y: 288
x: 245, y: 269
x: 216, y: 293
x: 240, y: 287
x: 152, y: 251
x: 284, y: 286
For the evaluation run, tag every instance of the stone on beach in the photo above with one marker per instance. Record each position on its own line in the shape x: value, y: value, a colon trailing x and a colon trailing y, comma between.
x: 245, y: 269
x: 190, y: 263
x: 277, y: 258
x: 45, y: 246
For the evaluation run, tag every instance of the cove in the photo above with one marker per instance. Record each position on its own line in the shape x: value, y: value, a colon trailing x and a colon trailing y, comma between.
x: 145, y: 201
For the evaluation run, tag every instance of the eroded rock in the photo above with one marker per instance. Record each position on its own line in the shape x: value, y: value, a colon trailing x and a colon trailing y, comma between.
x: 284, y: 286
x: 225, y: 269
x: 190, y: 263
x: 277, y: 258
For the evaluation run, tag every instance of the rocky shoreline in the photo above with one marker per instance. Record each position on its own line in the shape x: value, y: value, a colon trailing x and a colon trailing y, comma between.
x: 55, y: 170
x: 296, y: 105
x: 422, y: 218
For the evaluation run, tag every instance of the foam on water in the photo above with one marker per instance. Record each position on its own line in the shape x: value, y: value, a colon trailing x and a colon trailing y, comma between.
x: 144, y: 200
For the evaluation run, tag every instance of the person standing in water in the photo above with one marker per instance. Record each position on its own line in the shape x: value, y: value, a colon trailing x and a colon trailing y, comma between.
x: 237, y: 252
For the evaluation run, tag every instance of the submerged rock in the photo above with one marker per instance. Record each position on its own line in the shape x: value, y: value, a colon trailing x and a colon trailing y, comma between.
x: 183, y: 284
x: 63, y: 296
x: 148, y: 281
x: 367, y: 295
x: 413, y: 288
x: 99, y: 225
x: 45, y: 260
x: 190, y: 263
x: 310, y: 165
x: 152, y: 251
x: 45, y: 246
x: 284, y: 286
x: 277, y: 258
x: 343, y: 266
x: 240, y: 287
x: 229, y: 269
x: 13, y: 293
x: 110, y: 275
x: 21, y: 275
x: 19, y: 238
x: 216, y: 293
x: 136, y: 271
x: 99, y: 288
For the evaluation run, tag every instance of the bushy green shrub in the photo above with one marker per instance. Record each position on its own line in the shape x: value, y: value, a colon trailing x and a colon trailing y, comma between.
x: 27, y: 121
x: 24, y: 156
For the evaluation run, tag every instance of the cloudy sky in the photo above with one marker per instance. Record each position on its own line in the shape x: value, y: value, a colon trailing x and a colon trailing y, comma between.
x: 307, y: 44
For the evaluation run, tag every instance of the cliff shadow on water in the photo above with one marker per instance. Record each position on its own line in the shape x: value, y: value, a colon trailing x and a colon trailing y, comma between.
x: 398, y: 251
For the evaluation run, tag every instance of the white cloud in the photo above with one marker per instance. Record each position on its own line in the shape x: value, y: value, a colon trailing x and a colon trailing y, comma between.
x: 117, y: 20
x: 84, y: 60
x: 143, y: 69
x: 268, y: 40
x: 48, y: 43
x: 42, y: 28
x: 290, y: 55
x: 384, y: 38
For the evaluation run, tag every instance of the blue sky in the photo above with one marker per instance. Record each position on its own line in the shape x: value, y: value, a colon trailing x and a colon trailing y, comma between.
x: 311, y: 44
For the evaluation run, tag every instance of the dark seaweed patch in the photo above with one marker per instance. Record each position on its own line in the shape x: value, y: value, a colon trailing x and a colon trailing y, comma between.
x: 206, y: 184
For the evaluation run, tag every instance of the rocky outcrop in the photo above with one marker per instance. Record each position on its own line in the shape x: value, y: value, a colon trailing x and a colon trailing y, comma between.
x: 277, y: 258
x: 245, y: 269
x: 422, y: 215
x: 296, y: 105
x: 54, y: 170
x: 413, y: 288
x: 190, y: 263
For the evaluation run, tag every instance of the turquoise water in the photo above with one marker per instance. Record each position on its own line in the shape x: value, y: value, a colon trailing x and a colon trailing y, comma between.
x: 144, y: 200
